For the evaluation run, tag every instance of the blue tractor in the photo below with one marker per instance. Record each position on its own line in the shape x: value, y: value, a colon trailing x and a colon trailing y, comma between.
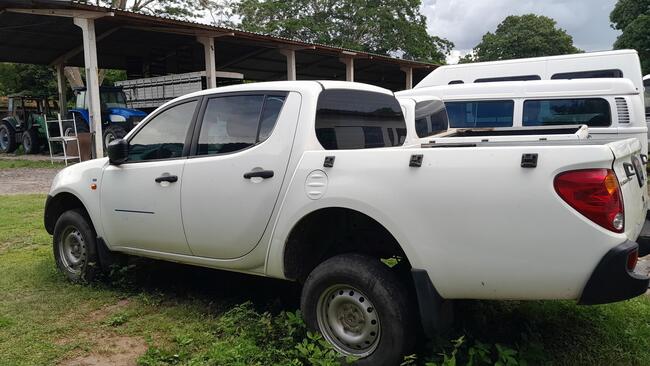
x: 117, y: 118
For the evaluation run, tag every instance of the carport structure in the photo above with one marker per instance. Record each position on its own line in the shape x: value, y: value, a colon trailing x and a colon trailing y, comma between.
x: 69, y: 33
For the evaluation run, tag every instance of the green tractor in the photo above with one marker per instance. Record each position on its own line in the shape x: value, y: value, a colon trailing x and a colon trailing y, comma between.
x: 25, y: 124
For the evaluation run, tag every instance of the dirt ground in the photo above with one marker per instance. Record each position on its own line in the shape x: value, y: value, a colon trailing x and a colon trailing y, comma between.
x: 26, y: 180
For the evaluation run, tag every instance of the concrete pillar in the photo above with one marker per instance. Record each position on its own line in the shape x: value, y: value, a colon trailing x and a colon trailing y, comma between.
x: 210, y: 61
x: 409, y: 77
x: 349, y: 68
x: 60, y: 83
x: 291, y: 63
x: 92, y: 83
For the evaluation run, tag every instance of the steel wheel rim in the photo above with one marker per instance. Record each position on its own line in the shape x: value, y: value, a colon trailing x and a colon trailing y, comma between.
x: 68, y: 131
x: 348, y: 320
x: 4, y: 138
x: 72, y: 249
x: 109, y: 137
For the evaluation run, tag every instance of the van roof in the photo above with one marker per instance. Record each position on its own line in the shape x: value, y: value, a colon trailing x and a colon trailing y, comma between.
x: 522, y: 89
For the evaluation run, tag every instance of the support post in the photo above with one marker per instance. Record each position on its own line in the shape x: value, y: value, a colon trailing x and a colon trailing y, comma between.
x: 92, y: 83
x: 349, y: 68
x: 60, y: 83
x: 409, y: 77
x: 210, y: 61
x: 291, y: 63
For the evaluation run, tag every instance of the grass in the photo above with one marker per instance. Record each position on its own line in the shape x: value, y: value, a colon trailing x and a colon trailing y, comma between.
x: 24, y: 163
x: 193, y: 316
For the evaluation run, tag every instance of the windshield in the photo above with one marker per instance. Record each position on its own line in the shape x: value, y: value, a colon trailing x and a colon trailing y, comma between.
x: 113, y: 99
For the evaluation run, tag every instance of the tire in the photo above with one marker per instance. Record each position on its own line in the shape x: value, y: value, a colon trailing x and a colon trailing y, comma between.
x: 7, y: 138
x: 30, y: 141
x: 75, y: 247
x: 361, y: 308
x: 68, y: 127
x: 113, y: 133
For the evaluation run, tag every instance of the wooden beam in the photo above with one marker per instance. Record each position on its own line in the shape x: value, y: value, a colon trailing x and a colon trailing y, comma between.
x: 66, y: 13
x: 75, y: 51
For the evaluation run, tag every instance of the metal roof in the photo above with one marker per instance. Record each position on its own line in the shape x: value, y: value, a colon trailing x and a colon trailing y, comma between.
x: 161, y: 45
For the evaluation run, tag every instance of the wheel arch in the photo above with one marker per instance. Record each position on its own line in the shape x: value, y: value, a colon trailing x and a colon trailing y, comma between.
x: 329, y: 231
x: 56, y: 205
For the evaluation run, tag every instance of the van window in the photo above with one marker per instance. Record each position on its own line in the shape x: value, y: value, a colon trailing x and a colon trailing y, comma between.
x: 492, y: 113
x: 589, y: 74
x: 593, y: 112
x: 356, y: 119
x: 508, y: 78
x: 430, y: 118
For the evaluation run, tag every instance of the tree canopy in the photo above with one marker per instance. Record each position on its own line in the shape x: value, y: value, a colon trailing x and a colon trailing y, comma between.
x: 632, y: 17
x: 390, y: 27
x: 523, y: 36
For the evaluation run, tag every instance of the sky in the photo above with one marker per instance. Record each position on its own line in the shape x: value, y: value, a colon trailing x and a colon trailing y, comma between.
x: 464, y: 22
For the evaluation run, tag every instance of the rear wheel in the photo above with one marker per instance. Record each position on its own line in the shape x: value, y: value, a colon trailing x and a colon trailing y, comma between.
x: 113, y: 133
x: 361, y: 308
x: 7, y: 138
x: 30, y: 142
x: 75, y: 247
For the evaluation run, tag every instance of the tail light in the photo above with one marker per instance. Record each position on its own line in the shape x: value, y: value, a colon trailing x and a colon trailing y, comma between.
x: 596, y: 194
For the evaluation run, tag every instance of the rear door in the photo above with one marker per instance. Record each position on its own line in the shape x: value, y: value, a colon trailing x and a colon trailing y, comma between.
x: 231, y: 183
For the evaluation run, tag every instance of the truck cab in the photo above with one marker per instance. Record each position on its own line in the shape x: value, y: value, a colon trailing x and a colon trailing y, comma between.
x: 117, y: 117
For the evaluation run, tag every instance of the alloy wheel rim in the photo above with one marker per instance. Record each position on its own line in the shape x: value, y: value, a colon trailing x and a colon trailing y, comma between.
x: 348, y: 320
x: 72, y: 249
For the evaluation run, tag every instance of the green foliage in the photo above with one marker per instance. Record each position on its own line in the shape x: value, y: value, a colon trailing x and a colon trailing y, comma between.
x: 390, y: 27
x: 460, y: 352
x: 522, y: 36
x: 632, y: 17
x: 28, y: 79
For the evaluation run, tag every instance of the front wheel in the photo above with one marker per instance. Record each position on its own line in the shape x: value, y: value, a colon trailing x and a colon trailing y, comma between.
x: 113, y: 133
x: 75, y: 247
x: 7, y: 138
x: 30, y: 142
x: 361, y: 308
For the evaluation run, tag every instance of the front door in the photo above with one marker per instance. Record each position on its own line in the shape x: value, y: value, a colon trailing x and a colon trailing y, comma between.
x: 231, y: 186
x: 141, y: 199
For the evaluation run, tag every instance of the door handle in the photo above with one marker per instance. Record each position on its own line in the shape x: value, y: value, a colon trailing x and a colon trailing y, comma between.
x: 264, y: 174
x: 167, y: 178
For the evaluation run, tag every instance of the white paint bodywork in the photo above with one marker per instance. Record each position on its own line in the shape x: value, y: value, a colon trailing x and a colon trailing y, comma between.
x: 479, y: 224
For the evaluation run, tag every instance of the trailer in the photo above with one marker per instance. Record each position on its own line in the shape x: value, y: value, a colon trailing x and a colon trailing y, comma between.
x: 148, y: 94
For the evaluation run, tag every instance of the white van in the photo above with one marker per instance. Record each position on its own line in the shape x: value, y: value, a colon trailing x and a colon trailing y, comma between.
x: 611, y: 108
x: 607, y: 64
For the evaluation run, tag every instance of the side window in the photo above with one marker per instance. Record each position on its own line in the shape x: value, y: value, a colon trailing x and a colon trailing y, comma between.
x: 589, y: 74
x: 593, y: 112
x: 357, y: 119
x: 233, y: 123
x: 492, y: 113
x: 163, y: 137
x: 430, y: 118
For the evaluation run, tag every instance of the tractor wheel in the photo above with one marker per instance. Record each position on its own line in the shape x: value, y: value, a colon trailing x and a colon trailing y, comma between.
x: 30, y: 142
x: 7, y: 138
x: 113, y: 133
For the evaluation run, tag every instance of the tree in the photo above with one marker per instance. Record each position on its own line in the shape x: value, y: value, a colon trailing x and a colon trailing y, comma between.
x: 25, y: 78
x: 632, y: 17
x: 523, y: 36
x: 389, y: 27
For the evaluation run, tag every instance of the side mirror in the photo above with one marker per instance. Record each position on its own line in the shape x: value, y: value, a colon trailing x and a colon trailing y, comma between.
x: 118, y: 151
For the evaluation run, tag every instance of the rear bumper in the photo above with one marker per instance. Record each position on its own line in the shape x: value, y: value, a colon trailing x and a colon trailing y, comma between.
x: 611, y: 281
x: 644, y: 238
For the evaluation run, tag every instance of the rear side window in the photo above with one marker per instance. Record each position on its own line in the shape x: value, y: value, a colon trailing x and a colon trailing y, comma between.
x: 589, y: 74
x: 593, y: 112
x: 233, y: 123
x: 491, y: 113
x: 508, y: 78
x: 356, y: 119
x: 430, y: 118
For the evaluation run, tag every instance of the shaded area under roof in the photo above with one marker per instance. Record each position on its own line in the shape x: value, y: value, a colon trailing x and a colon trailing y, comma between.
x: 150, y: 46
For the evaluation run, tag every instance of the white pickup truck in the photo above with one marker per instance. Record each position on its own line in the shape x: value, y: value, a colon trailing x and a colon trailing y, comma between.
x: 310, y: 181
